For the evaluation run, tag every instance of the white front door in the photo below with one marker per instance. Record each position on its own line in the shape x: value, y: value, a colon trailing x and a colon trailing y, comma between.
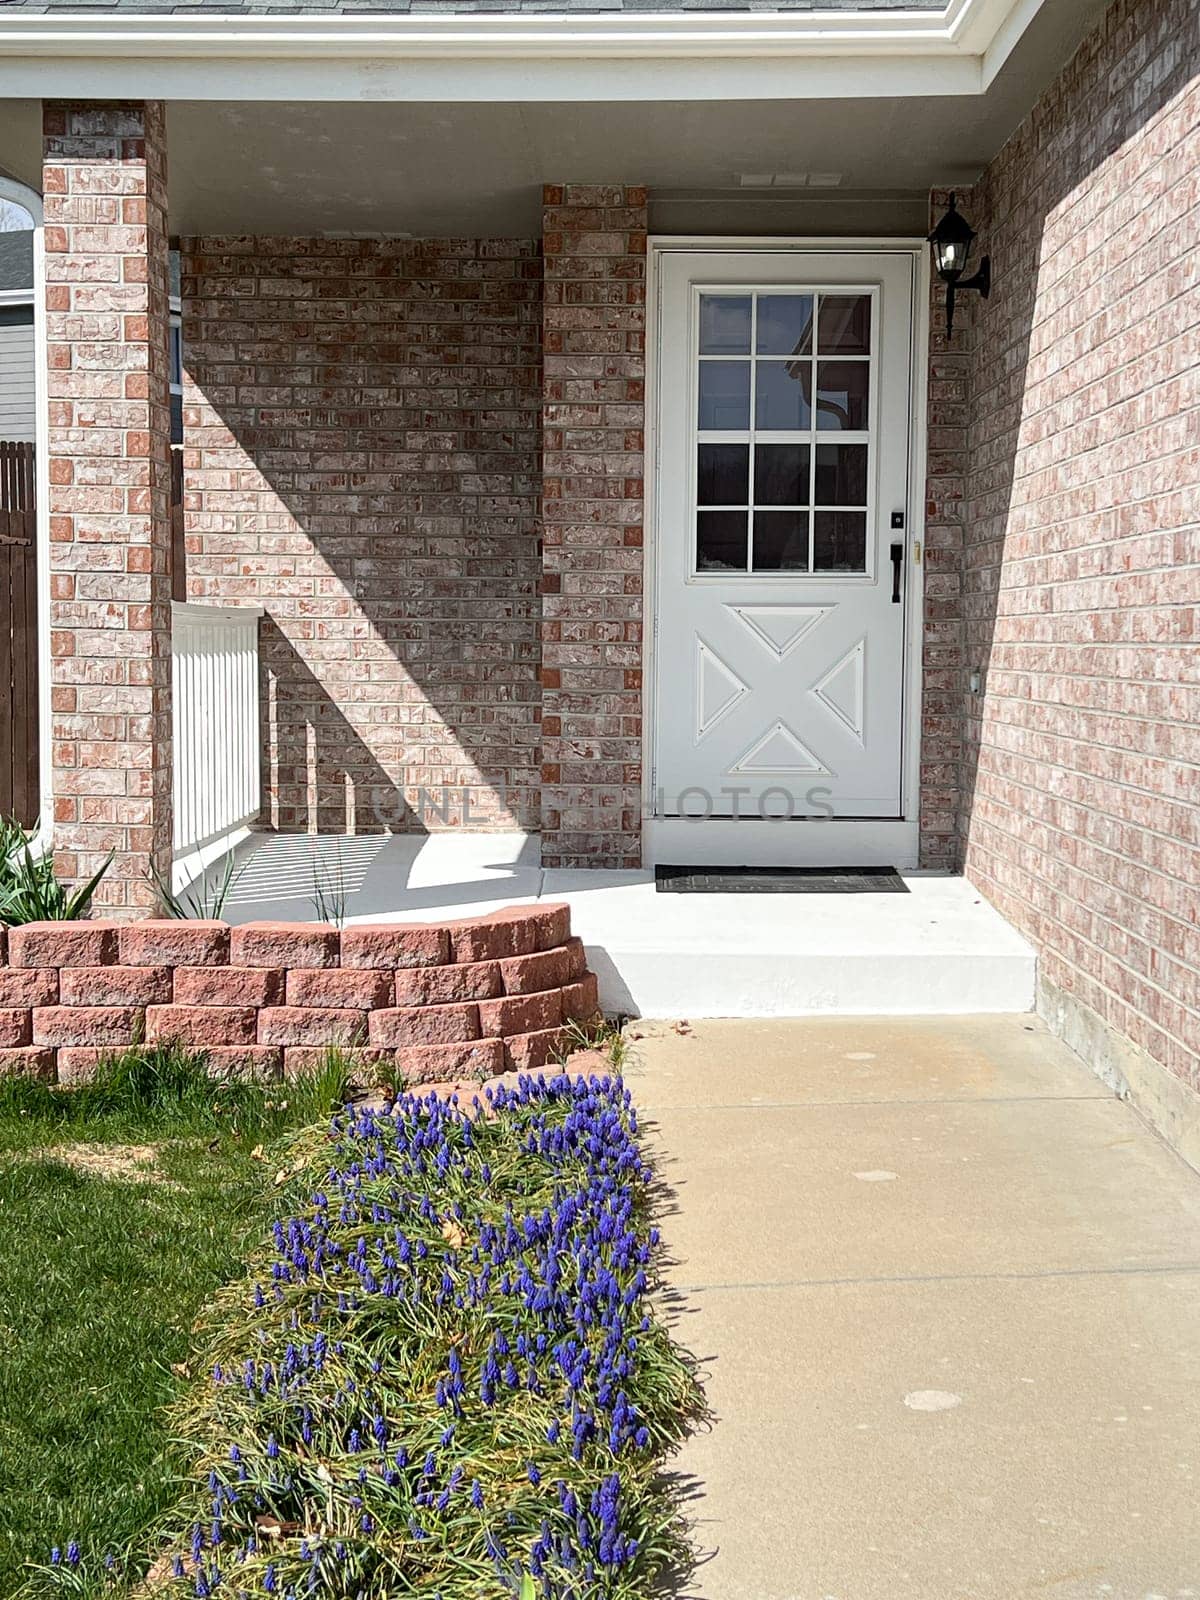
x: 782, y: 501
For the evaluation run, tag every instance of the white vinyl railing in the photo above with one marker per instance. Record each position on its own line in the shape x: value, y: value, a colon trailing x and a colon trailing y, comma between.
x: 214, y: 653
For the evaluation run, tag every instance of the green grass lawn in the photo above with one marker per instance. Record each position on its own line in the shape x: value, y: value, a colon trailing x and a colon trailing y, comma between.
x: 122, y: 1206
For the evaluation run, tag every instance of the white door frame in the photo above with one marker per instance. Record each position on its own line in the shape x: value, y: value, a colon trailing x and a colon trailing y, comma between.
x: 824, y: 842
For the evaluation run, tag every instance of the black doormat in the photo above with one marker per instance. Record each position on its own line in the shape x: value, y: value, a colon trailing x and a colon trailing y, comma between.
x: 779, y: 880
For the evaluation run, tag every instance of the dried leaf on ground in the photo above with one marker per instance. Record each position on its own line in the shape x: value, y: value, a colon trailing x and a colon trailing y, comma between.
x: 158, y: 1575
x: 453, y: 1233
x: 275, y: 1528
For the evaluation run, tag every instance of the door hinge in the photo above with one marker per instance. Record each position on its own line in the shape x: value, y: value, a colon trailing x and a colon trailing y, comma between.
x: 916, y: 552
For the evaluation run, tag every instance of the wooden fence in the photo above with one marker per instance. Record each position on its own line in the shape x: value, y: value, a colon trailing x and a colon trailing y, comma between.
x: 19, y: 793
x: 19, y: 744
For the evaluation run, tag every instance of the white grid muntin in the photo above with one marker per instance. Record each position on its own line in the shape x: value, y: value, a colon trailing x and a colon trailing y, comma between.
x: 813, y: 436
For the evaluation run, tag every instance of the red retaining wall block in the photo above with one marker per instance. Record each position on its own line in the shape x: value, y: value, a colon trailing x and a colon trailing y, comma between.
x: 394, y: 947
x: 170, y: 942
x: 28, y: 986
x: 245, y: 1061
x: 528, y: 974
x: 63, y: 944
x: 361, y: 1058
x: 14, y: 1027
x: 78, y: 1064
x: 449, y: 1024
x: 361, y: 988
x: 86, y: 1025
x: 491, y: 939
x: 430, y: 1063
x: 433, y: 1002
x: 199, y: 1026
x: 284, y: 944
x: 519, y: 1013
x: 229, y: 986
x: 433, y: 986
x: 551, y: 923
x: 115, y: 986
x: 27, y: 1062
x: 314, y: 1025
x: 527, y: 1052
x: 581, y: 1000
x: 576, y: 958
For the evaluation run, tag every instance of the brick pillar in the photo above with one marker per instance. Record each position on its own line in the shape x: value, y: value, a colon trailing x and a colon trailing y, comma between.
x: 944, y: 665
x: 105, y: 187
x: 594, y: 365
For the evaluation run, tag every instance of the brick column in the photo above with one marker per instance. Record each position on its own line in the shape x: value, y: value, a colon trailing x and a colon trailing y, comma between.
x: 594, y: 243
x: 105, y: 187
x: 944, y: 665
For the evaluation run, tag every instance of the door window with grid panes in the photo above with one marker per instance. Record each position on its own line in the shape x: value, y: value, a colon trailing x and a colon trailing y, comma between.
x: 783, y: 419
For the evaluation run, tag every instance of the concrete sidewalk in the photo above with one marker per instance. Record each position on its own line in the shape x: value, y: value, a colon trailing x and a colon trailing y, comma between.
x: 946, y: 1290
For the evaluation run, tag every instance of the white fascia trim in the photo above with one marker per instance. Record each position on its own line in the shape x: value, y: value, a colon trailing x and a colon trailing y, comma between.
x: 448, y: 79
x: 964, y: 28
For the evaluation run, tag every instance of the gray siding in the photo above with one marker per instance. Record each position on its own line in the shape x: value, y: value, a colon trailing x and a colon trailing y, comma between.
x: 16, y: 382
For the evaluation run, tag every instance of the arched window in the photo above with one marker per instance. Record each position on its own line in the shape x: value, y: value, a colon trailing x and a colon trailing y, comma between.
x: 18, y: 380
x: 15, y: 216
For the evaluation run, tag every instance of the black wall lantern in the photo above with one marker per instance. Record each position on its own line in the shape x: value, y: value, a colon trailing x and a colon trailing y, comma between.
x: 951, y: 241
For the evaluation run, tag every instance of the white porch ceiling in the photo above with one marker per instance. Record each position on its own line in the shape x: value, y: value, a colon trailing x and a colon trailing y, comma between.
x: 430, y: 169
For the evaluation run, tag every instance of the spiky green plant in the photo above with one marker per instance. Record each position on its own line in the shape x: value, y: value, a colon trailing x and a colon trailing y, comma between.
x: 166, y: 1088
x: 599, y: 1034
x: 329, y: 891
x: 31, y: 890
x: 13, y: 837
x: 201, y: 900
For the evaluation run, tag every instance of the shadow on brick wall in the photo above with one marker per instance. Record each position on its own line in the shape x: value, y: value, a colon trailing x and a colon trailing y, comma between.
x: 333, y: 782
x: 362, y: 437
x: 1073, y: 214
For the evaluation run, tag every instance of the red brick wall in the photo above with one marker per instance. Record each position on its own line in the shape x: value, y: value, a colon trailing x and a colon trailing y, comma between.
x: 104, y: 182
x: 1082, y: 563
x: 594, y: 243
x: 477, y: 996
x: 361, y: 459
x: 943, y: 675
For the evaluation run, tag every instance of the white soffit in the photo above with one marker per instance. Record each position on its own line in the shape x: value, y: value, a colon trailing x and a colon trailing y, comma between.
x: 522, y: 57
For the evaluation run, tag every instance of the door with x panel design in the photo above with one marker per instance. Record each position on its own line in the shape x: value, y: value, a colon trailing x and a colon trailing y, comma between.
x: 781, y: 496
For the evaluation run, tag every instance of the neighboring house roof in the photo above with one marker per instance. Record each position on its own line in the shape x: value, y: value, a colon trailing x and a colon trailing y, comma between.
x: 16, y: 261
x: 358, y: 8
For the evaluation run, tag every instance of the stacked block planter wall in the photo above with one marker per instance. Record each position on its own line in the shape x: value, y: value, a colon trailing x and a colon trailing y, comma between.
x: 436, y: 1000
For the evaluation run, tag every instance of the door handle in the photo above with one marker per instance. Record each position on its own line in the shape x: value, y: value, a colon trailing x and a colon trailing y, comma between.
x: 897, y: 559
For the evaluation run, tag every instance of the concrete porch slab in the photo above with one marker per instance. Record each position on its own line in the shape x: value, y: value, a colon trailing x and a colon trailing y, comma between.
x: 947, y: 1312
x: 938, y: 949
